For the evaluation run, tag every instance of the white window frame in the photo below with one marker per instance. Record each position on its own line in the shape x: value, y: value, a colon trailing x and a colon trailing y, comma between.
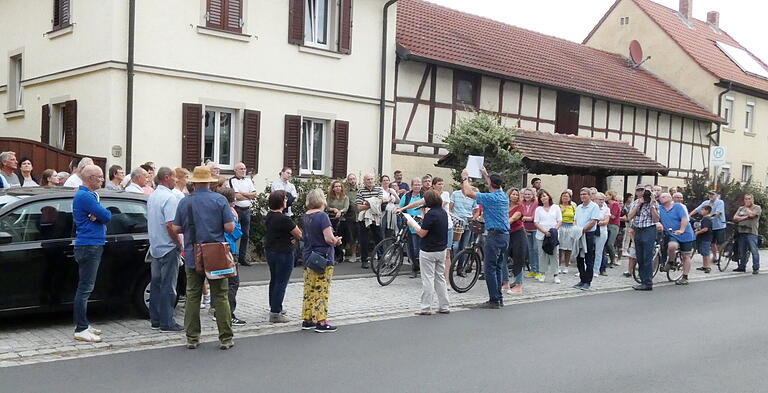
x: 749, y: 113
x: 725, y: 173
x: 728, y: 115
x: 331, y: 25
x: 743, y: 168
x: 217, y: 135
x: 324, y: 150
x: 15, y: 76
x: 56, y: 136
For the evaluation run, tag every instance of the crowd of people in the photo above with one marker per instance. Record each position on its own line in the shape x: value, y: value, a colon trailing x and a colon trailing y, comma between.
x: 528, y: 227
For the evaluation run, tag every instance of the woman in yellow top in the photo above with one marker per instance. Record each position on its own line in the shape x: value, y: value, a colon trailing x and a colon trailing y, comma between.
x: 568, y: 233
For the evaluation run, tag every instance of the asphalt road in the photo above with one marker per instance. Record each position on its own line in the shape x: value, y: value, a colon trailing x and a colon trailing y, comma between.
x: 707, y: 337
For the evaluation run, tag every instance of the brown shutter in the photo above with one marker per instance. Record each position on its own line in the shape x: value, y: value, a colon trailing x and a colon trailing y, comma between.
x: 251, y: 136
x: 45, y: 125
x: 345, y: 27
x: 234, y: 13
x: 215, y: 14
x: 340, y: 148
x: 70, y: 126
x: 60, y: 14
x: 191, y: 135
x: 296, y: 22
x: 291, y: 142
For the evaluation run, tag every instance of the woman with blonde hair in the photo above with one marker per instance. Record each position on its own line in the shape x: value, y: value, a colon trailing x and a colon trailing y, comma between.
x: 568, y: 233
x: 319, y: 241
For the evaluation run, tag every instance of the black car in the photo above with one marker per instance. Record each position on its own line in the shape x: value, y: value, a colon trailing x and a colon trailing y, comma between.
x: 38, y: 272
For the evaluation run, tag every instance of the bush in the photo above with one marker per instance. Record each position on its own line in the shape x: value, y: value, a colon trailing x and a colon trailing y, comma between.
x: 261, y: 208
x: 731, y: 192
x: 483, y: 135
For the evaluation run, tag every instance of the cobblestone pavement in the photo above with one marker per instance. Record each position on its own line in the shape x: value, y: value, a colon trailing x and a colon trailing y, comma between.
x: 355, y: 300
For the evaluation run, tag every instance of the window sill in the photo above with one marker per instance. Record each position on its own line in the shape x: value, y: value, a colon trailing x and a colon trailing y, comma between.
x: 59, y: 32
x: 750, y: 133
x: 15, y: 114
x: 320, y: 52
x: 726, y: 129
x: 223, y: 34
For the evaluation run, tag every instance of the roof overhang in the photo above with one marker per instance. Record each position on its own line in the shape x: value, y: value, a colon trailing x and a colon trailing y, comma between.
x: 558, y: 154
x: 743, y: 89
x: 406, y: 54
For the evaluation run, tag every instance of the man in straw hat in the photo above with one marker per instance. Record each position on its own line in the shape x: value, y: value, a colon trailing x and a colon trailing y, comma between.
x: 211, y: 217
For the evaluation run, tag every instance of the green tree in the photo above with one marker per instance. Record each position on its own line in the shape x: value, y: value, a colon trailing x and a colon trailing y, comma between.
x: 483, y: 135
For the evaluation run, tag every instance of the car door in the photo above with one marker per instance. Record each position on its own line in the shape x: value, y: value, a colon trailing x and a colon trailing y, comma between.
x: 126, y: 248
x: 38, y: 261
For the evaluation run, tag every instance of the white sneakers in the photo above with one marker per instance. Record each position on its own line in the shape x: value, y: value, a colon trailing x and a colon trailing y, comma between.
x: 557, y: 280
x: 94, y: 330
x: 87, y: 335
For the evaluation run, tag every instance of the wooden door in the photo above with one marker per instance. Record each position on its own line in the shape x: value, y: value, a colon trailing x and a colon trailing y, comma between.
x: 567, y: 116
x: 576, y: 182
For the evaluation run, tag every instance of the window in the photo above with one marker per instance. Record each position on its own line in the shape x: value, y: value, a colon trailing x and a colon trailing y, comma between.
x: 749, y: 117
x: 313, y: 135
x: 725, y: 174
x: 466, y: 89
x: 317, y: 22
x: 218, y: 138
x: 728, y: 111
x: 224, y: 15
x: 624, y: 20
x: 61, y: 13
x: 15, y: 96
x: 56, y: 138
x: 746, y: 173
x: 43, y: 220
x: 127, y: 216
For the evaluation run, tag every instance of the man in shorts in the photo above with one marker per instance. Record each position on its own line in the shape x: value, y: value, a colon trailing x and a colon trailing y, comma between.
x: 678, y: 233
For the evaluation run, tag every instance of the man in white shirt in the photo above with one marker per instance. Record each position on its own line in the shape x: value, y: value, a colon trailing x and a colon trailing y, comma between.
x: 138, y: 181
x: 75, y: 181
x: 283, y: 183
x: 8, y: 165
x: 245, y: 193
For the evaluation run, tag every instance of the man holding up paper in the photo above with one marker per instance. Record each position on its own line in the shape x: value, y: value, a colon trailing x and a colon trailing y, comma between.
x: 496, y: 212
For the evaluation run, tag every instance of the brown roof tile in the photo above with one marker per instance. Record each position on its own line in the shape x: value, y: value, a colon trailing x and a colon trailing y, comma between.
x: 434, y: 33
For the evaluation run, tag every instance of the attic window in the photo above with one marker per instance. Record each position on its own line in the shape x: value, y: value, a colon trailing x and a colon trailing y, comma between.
x: 744, y: 60
x: 624, y: 20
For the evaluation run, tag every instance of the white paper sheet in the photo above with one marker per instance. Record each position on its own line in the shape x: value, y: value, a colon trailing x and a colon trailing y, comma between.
x: 474, y: 163
x: 412, y: 221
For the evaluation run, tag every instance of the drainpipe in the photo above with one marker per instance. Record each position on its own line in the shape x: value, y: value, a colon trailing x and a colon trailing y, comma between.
x: 129, y: 96
x: 720, y: 108
x: 383, y: 92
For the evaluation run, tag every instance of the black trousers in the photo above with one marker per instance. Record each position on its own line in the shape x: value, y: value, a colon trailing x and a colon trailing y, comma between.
x: 244, y: 217
x: 367, y: 234
x: 586, y: 262
x: 518, y: 251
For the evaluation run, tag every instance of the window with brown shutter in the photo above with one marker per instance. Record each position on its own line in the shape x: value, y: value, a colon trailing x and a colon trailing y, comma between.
x: 69, y: 123
x: 60, y: 14
x: 340, y: 149
x: 345, y: 27
x: 296, y: 22
x: 191, y: 135
x: 45, y: 125
x: 251, y: 136
x: 225, y: 15
x: 291, y: 142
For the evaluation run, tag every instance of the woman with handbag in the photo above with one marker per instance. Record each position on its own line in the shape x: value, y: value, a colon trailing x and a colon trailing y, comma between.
x: 278, y: 247
x: 319, y: 243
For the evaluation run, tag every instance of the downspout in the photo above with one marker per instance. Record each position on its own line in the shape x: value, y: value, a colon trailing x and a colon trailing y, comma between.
x: 383, y: 91
x: 129, y: 96
x: 720, y: 108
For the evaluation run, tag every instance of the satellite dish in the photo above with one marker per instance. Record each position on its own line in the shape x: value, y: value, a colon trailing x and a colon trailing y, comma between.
x: 635, y: 52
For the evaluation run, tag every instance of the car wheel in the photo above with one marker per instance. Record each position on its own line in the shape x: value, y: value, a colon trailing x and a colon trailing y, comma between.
x: 141, y: 296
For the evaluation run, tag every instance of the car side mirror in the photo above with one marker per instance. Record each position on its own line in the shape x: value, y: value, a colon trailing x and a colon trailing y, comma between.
x: 5, y: 238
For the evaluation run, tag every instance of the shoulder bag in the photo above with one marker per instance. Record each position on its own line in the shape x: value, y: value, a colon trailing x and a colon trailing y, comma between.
x: 214, y: 260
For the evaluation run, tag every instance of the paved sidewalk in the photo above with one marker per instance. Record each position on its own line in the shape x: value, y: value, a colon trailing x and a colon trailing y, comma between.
x: 354, y: 300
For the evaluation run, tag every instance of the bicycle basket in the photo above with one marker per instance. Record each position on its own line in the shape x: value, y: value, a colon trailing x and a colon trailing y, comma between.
x: 476, y: 226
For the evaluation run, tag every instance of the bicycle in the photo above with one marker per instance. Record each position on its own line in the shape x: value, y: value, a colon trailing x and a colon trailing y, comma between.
x: 391, y: 258
x: 468, y: 263
x: 654, y: 264
x: 729, y: 251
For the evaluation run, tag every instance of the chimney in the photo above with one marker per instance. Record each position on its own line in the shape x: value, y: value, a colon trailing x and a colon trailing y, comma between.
x: 713, y: 18
x: 686, y: 9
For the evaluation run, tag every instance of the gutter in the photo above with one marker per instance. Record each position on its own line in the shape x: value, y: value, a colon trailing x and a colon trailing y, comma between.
x: 383, y: 87
x: 129, y: 90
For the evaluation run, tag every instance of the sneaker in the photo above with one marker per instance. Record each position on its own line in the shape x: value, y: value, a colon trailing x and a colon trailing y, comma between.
x: 202, y: 306
x: 325, y: 327
x: 306, y: 325
x: 603, y: 273
x: 516, y: 290
x: 206, y: 299
x: 531, y: 274
x: 154, y: 327
x: 227, y: 345
x: 508, y: 291
x: 87, y: 336
x: 753, y: 272
x: 278, y: 318
x: 557, y: 280
x: 539, y: 277
x: 213, y: 318
x: 682, y: 281
x: 172, y: 329
x: 191, y: 345
x: 237, y: 321
x: 565, y: 270
x: 491, y: 305
x: 627, y: 274
x: 94, y: 330
x: 585, y: 287
x: 740, y: 270
x: 578, y: 286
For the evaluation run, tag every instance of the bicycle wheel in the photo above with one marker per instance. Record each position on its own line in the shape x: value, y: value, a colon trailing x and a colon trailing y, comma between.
x: 465, y: 270
x: 654, y: 267
x: 675, y: 270
x: 378, y: 252
x: 724, y: 256
x: 389, y: 265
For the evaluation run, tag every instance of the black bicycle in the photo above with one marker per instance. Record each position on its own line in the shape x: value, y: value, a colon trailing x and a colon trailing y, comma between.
x: 654, y: 264
x: 728, y: 251
x: 393, y: 251
x: 468, y: 263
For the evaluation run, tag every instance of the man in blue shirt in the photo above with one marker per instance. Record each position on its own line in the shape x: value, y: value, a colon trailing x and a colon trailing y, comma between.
x: 718, y: 219
x: 91, y: 233
x: 210, y: 215
x: 586, y: 218
x: 678, y: 233
x: 165, y: 248
x: 496, y: 214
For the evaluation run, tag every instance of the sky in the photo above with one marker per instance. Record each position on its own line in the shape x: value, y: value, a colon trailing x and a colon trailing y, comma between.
x: 745, y: 20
